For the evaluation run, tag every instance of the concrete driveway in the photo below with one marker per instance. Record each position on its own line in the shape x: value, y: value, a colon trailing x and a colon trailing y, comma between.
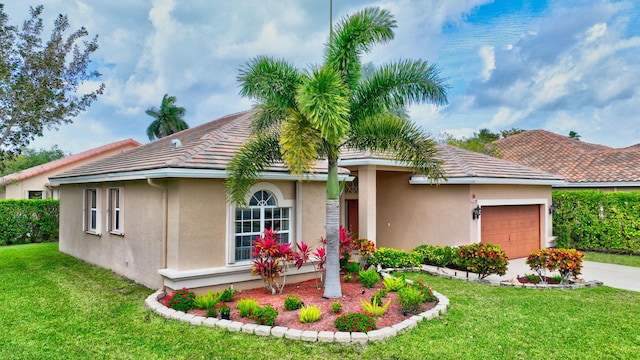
x: 616, y: 276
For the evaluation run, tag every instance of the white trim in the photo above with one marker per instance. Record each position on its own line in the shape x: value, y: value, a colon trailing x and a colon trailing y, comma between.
x: 184, y: 173
x: 423, y: 180
x: 110, y: 218
x: 378, y: 162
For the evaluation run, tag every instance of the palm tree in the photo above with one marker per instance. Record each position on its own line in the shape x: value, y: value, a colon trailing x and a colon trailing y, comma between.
x: 167, y: 120
x: 303, y: 116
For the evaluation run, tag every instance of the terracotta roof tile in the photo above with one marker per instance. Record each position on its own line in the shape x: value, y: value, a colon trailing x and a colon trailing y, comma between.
x: 575, y: 160
x: 69, y: 160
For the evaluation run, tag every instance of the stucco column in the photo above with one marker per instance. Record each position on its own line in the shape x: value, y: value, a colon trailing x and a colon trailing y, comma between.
x: 367, y: 202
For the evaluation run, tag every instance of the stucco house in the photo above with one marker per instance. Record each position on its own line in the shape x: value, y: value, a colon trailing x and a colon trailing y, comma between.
x: 583, y: 165
x: 158, y: 213
x: 33, y: 183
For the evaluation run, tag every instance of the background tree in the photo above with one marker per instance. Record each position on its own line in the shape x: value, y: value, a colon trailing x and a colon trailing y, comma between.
x: 167, y: 119
x: 574, y: 135
x: 304, y: 116
x: 39, y: 81
x: 28, y: 158
x: 481, y: 142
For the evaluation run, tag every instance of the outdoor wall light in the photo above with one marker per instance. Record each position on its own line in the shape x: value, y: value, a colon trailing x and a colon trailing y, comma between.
x: 476, y: 213
x: 553, y: 208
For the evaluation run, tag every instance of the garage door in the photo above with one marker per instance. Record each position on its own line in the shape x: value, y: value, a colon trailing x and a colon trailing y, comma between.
x: 515, y: 228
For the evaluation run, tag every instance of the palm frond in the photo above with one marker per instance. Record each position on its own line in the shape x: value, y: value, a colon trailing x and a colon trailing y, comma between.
x: 269, y: 81
x: 254, y: 156
x: 300, y: 144
x: 354, y: 35
x: 401, y: 139
x: 267, y: 116
x: 323, y: 99
x: 398, y: 85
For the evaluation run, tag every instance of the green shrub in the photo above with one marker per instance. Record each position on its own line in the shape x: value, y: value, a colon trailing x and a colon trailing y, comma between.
x: 352, y: 267
x: 410, y: 299
x: 228, y: 294
x: 382, y: 292
x: 426, y: 291
x: 309, y: 314
x: 265, y: 315
x: 395, y: 258
x: 206, y: 301
x: 292, y: 302
x: 375, y: 308
x: 484, y: 259
x: 182, y: 300
x: 355, y: 322
x: 394, y: 284
x: 595, y: 220
x: 212, y: 312
x: 247, y: 306
x: 29, y: 221
x: 442, y: 256
x: 368, y: 278
x: 336, y: 306
x: 347, y: 277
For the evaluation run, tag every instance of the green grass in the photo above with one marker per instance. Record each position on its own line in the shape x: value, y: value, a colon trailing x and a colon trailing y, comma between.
x: 53, y: 306
x: 628, y: 260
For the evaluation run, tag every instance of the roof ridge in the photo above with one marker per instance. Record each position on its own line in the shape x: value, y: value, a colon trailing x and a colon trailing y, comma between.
x: 466, y: 167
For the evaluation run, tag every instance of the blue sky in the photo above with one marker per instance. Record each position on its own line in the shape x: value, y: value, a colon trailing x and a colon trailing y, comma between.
x: 554, y: 65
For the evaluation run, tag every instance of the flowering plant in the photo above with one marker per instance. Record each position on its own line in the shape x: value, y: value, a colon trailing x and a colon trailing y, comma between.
x: 181, y: 300
x: 270, y: 260
x: 223, y: 308
x: 355, y: 322
x: 265, y: 315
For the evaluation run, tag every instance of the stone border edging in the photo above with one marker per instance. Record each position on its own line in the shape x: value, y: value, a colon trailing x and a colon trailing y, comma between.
x: 153, y: 304
x: 452, y: 274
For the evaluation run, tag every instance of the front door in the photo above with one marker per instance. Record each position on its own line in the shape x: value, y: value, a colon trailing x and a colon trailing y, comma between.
x: 352, y: 216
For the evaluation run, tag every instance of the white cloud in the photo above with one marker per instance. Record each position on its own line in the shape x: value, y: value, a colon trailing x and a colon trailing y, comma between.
x: 488, y: 56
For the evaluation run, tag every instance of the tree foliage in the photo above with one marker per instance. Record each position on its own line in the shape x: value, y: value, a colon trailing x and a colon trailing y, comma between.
x: 39, y: 82
x: 168, y: 119
x: 28, y: 158
x: 481, y: 142
x: 304, y: 116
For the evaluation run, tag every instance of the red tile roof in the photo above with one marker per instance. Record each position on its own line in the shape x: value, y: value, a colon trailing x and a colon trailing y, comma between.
x: 69, y: 160
x: 213, y: 144
x: 575, y: 160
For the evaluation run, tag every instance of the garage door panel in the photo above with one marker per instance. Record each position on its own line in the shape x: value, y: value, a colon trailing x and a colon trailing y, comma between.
x: 515, y: 228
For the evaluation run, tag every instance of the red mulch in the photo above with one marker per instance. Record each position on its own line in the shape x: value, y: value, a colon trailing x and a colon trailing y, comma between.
x: 310, y: 295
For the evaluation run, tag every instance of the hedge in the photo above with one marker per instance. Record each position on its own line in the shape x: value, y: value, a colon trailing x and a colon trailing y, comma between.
x: 595, y: 220
x: 28, y: 221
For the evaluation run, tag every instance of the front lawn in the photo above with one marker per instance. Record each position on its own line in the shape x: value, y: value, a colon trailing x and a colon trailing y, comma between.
x: 628, y: 260
x: 53, y: 306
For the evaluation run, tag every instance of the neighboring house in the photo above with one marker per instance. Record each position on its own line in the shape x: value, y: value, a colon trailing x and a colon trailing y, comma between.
x: 583, y: 165
x: 33, y: 183
x: 159, y: 215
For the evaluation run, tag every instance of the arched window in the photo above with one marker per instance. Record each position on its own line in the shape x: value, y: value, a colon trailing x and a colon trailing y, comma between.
x: 262, y: 213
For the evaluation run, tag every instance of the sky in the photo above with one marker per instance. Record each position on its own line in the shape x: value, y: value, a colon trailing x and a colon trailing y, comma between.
x: 555, y: 65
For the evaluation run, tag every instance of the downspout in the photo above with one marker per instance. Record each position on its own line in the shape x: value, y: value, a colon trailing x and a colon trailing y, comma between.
x: 165, y: 220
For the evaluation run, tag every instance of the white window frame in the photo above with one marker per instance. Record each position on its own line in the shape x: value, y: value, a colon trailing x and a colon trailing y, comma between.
x: 281, y: 203
x: 115, y: 210
x: 43, y: 194
x: 89, y: 210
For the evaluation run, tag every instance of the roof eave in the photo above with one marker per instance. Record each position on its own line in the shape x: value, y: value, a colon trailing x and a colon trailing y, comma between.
x: 472, y: 180
x: 183, y: 173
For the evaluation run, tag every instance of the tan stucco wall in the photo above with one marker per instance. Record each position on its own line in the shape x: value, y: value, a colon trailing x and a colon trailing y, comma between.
x: 314, y: 212
x: 138, y: 253
x: 410, y: 215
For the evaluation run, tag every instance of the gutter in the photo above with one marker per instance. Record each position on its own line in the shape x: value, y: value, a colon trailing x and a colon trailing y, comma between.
x: 165, y: 220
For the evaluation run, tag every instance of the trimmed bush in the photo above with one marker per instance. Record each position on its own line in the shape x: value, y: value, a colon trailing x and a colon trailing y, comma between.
x: 442, y: 256
x: 29, y: 221
x: 568, y: 262
x: 484, y: 259
x: 395, y: 258
x: 355, y: 322
x: 292, y: 302
x: 595, y: 220
x: 182, y: 300
x: 368, y: 278
x: 265, y: 315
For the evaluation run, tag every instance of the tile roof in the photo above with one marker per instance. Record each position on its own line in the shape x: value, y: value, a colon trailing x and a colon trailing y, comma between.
x: 213, y: 144
x: 461, y: 163
x: 575, y: 160
x: 69, y: 160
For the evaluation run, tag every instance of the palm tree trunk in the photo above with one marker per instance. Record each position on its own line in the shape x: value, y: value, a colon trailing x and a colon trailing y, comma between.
x: 332, y: 287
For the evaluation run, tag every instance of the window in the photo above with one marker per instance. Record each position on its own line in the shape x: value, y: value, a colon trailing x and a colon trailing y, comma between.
x: 115, y: 211
x: 262, y: 213
x: 91, y: 213
x: 35, y: 194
